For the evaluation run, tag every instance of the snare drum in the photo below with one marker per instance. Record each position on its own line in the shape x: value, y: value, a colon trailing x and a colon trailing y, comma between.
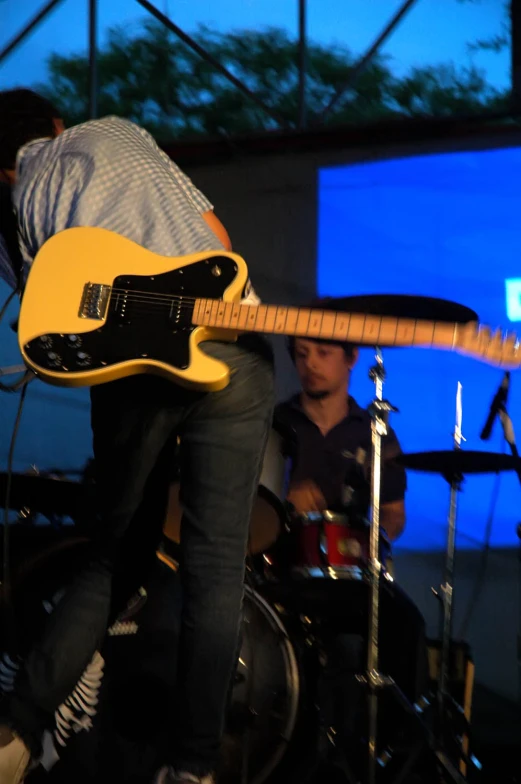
x: 327, y: 544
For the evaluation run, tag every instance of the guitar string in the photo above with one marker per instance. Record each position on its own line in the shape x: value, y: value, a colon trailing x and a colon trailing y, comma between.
x: 147, y: 306
x: 190, y: 306
x: 145, y: 310
x: 188, y: 302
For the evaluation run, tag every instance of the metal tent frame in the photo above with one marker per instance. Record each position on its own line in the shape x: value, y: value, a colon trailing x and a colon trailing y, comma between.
x: 301, y: 9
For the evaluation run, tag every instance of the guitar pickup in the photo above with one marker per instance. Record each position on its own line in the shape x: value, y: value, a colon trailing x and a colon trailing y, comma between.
x: 95, y: 300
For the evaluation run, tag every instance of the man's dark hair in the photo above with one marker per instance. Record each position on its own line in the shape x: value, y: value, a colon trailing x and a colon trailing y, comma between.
x: 24, y: 115
x: 325, y: 303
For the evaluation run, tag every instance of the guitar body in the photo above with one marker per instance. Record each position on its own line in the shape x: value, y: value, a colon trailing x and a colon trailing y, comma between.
x: 98, y: 307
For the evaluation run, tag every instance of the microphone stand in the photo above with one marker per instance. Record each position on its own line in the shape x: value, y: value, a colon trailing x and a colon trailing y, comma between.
x: 510, y: 438
x: 446, y: 593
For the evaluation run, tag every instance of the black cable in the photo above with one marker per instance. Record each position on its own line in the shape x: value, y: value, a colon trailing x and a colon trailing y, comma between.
x: 7, y: 303
x: 28, y: 375
x: 19, y: 383
x: 6, y: 565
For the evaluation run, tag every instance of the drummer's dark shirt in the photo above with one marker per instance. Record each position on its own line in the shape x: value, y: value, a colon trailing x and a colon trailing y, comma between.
x: 342, y: 456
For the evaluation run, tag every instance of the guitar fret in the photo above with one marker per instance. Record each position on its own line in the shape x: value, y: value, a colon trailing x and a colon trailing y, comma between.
x: 321, y: 323
x: 302, y: 323
x: 286, y: 320
x: 327, y: 320
x: 365, y: 329
x: 334, y: 324
x: 214, y: 312
x: 227, y: 313
x: 291, y: 321
x: 276, y: 324
x: 263, y: 310
x: 220, y: 314
x: 342, y: 327
x: 236, y: 311
x: 313, y: 328
x: 376, y: 324
x: 243, y: 316
x: 280, y: 319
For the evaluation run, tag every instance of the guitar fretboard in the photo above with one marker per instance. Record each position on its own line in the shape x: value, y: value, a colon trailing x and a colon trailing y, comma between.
x: 325, y: 324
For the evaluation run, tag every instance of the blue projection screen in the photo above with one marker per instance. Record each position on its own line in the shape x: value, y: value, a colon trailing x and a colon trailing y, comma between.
x: 446, y: 226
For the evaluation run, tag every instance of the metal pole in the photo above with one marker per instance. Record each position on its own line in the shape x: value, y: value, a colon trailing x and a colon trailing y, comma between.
x: 379, y: 410
x: 357, y: 69
x: 302, y: 64
x: 378, y: 429
x: 210, y: 59
x: 447, y: 589
x: 515, y: 27
x: 28, y: 28
x: 93, y: 65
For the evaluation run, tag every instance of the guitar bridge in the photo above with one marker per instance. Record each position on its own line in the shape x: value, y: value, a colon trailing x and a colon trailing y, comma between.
x: 95, y: 300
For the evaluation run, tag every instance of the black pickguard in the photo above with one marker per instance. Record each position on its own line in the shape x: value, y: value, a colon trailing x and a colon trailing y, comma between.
x: 141, y: 320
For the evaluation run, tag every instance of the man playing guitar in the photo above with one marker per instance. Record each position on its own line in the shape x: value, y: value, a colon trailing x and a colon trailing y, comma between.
x: 110, y: 173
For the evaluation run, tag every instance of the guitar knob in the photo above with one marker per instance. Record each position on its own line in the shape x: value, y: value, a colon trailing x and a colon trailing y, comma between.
x: 45, y: 341
x: 74, y: 341
x: 83, y: 359
x: 54, y: 359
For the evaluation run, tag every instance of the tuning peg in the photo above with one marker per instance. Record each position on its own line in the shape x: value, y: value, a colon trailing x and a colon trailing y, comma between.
x: 511, y: 339
x: 510, y: 353
x: 484, y: 335
x: 495, y: 344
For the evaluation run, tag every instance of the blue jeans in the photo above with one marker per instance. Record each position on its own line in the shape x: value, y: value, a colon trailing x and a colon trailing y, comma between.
x: 223, y: 435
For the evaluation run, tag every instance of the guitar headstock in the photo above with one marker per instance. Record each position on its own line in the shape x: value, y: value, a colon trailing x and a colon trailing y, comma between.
x: 495, y: 348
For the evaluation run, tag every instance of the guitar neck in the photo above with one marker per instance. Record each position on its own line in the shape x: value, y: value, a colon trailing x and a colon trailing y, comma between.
x: 326, y: 324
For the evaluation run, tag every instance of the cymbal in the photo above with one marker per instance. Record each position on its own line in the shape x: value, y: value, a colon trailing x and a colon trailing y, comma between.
x: 44, y: 494
x: 401, y: 306
x: 454, y: 462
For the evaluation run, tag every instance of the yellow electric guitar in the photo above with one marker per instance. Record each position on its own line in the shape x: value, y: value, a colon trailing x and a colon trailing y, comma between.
x: 98, y: 307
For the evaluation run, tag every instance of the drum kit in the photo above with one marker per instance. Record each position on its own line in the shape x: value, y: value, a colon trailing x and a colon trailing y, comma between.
x: 275, y: 712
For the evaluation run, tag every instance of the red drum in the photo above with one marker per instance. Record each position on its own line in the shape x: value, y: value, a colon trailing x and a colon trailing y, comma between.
x: 328, y: 545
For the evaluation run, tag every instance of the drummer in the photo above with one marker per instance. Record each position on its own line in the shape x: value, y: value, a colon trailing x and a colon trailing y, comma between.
x: 332, y: 436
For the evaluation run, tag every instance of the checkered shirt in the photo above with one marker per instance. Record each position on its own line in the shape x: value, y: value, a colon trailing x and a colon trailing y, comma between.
x: 108, y: 173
